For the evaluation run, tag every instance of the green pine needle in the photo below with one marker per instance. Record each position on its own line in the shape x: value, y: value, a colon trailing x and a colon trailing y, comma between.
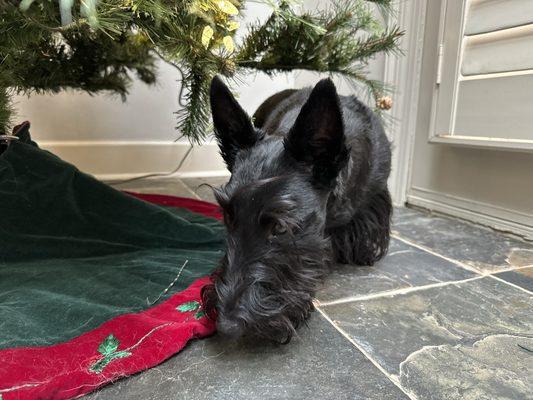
x: 101, y: 45
x: 6, y: 111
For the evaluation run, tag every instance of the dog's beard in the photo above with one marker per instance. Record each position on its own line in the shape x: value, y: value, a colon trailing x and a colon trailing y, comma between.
x: 272, y: 297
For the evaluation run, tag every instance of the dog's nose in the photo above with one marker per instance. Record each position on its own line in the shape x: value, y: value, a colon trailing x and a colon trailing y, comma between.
x: 228, y: 327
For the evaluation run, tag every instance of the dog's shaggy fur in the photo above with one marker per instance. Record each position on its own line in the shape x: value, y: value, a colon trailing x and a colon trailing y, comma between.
x: 308, y: 187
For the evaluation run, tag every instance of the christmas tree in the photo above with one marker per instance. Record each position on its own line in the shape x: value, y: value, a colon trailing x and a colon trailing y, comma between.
x: 102, y: 45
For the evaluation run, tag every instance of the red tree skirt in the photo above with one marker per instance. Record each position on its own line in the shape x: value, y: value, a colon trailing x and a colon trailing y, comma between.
x: 120, y: 347
x: 198, y: 206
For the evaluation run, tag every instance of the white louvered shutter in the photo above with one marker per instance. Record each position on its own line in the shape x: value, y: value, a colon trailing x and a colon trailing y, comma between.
x: 484, y: 88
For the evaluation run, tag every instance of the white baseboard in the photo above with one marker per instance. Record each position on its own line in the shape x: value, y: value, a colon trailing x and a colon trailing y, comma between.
x: 109, y: 160
x: 486, y: 214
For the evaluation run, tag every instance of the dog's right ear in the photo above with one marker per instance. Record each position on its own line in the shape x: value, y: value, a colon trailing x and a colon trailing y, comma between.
x: 233, y: 128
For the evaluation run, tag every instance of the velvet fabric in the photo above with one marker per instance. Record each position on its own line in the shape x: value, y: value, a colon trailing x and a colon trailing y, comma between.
x: 76, y: 254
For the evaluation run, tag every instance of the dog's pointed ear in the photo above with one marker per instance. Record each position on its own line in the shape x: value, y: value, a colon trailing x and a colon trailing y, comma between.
x: 233, y: 128
x: 317, y: 137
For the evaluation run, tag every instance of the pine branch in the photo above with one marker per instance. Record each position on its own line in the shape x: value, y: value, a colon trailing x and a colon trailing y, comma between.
x: 349, y: 38
x: 194, y: 118
x: 46, y: 47
x: 6, y: 111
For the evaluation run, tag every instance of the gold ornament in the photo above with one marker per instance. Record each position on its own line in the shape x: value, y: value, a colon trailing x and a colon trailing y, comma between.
x: 228, y: 43
x: 226, y: 7
x: 232, y: 25
x: 207, y: 34
x: 384, y: 102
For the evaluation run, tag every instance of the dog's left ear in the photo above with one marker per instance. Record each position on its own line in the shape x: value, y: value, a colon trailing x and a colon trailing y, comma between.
x: 233, y: 127
x: 317, y: 137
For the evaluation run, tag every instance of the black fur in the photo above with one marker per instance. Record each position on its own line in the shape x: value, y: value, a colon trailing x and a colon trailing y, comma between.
x: 308, y: 188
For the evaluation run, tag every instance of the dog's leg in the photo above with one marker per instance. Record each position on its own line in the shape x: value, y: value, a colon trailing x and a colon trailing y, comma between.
x: 365, y: 239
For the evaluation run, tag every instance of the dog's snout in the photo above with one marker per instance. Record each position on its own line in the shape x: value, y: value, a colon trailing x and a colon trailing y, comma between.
x: 229, y: 328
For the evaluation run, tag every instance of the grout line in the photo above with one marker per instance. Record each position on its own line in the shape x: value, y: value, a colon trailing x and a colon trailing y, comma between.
x: 394, y: 292
x: 511, y: 284
x: 452, y: 260
x: 391, y: 377
x: 460, y: 264
x: 466, y: 266
x: 430, y: 251
x: 512, y: 269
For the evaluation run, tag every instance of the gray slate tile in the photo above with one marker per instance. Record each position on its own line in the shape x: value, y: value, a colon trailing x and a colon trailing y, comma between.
x: 520, y: 277
x: 404, y: 266
x: 319, y: 364
x: 482, y: 248
x: 496, y: 367
x: 391, y: 328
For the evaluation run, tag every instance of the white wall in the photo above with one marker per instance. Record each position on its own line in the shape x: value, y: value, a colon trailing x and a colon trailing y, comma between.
x: 147, y: 114
x: 112, y: 139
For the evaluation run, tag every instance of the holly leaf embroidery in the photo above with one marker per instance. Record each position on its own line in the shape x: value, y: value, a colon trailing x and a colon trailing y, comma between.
x: 108, y: 349
x: 189, y: 306
x: 108, y: 346
x: 192, y: 306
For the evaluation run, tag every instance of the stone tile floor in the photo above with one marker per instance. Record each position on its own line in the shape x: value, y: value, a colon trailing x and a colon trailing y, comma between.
x: 448, y: 314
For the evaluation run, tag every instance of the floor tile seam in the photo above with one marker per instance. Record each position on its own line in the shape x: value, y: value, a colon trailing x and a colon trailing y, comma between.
x: 401, y: 291
x: 433, y: 252
x: 511, y: 284
x: 512, y: 269
x: 393, y: 378
x: 489, y: 274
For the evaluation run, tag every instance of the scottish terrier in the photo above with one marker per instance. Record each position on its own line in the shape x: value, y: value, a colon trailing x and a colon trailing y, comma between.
x: 308, y: 187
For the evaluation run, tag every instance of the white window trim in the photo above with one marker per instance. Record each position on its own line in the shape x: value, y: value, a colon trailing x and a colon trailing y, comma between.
x: 443, y: 119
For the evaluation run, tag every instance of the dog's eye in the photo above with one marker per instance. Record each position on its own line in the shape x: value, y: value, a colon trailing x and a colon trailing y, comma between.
x: 278, y: 229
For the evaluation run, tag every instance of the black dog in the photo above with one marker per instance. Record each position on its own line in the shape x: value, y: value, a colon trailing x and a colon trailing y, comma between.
x: 308, y: 187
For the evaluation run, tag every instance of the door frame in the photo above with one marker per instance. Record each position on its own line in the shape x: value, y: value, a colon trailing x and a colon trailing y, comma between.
x: 403, y: 74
